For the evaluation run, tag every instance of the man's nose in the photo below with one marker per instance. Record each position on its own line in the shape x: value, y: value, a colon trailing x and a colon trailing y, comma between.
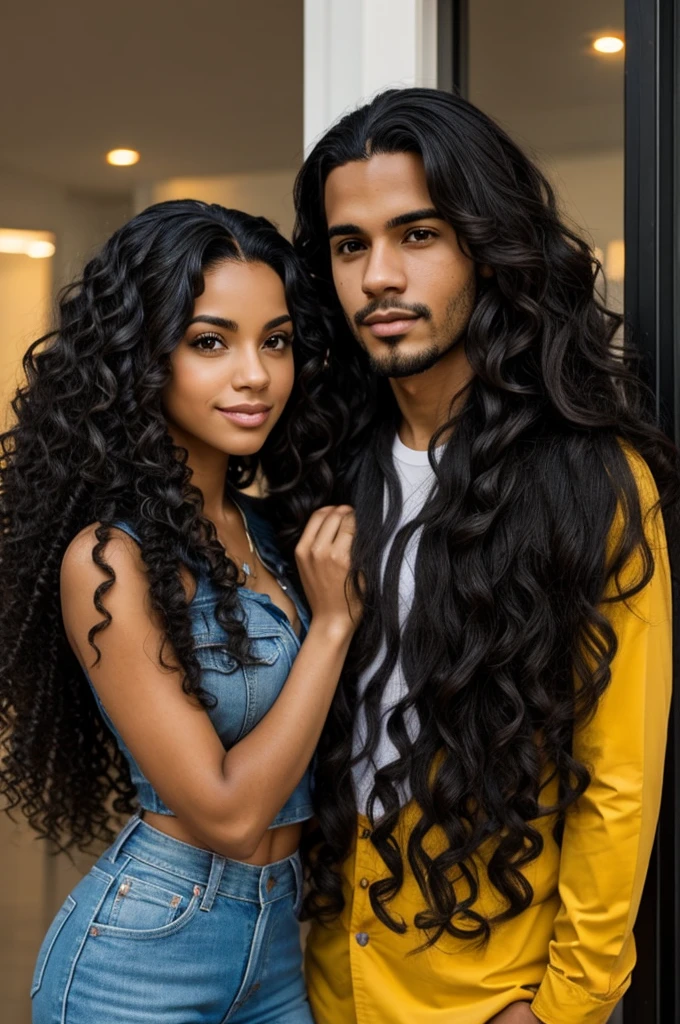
x: 384, y: 271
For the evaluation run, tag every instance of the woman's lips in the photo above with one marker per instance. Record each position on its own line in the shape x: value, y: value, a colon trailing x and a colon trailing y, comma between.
x: 246, y: 419
x: 388, y: 328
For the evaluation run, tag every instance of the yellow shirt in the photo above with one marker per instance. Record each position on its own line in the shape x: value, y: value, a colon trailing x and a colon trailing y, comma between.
x: 572, y: 951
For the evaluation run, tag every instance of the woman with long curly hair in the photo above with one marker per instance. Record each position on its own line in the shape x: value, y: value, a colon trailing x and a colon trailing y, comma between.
x: 156, y: 655
x: 488, y: 779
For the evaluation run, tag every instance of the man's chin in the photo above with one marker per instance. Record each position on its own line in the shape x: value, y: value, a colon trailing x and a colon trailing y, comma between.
x: 401, y: 364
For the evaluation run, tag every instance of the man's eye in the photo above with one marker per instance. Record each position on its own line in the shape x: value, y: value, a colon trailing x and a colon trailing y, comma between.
x: 207, y: 342
x: 420, y: 234
x: 352, y: 245
x: 277, y: 342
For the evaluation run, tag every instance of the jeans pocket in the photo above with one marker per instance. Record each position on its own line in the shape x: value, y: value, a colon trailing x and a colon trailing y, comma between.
x: 58, y: 923
x: 139, y: 908
x: 141, y: 904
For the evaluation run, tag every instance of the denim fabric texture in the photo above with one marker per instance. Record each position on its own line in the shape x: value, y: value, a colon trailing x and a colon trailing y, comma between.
x: 160, y: 931
x: 244, y: 693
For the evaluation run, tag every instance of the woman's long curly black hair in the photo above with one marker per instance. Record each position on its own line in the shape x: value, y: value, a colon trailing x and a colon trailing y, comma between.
x: 506, y: 647
x: 89, y: 443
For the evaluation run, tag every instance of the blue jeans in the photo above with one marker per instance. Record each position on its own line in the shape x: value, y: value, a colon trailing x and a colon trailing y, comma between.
x: 160, y: 931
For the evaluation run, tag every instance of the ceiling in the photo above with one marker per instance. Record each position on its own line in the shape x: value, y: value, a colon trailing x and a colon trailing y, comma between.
x: 208, y: 87
x: 531, y: 66
x: 215, y: 86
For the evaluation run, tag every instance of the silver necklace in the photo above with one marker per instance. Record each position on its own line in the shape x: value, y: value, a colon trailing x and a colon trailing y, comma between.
x: 245, y: 566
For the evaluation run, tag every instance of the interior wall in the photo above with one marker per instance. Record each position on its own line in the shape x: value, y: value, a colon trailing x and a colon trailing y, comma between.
x: 80, y: 221
x: 25, y: 301
x: 589, y: 188
x: 265, y: 194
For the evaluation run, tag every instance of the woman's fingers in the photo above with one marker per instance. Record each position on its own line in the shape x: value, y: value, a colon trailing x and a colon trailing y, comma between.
x: 327, y: 519
x: 344, y: 538
x: 328, y: 531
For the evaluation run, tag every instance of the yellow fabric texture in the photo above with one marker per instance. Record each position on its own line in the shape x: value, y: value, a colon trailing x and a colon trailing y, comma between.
x: 572, y: 951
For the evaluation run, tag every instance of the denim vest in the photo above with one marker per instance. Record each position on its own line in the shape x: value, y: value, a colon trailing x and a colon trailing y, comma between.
x: 244, y: 693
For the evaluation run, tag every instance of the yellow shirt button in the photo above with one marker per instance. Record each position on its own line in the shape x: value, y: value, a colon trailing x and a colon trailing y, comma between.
x: 362, y: 938
x: 365, y: 833
x: 364, y: 883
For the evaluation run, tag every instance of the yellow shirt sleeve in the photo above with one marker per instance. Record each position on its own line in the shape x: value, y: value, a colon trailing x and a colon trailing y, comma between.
x: 610, y: 830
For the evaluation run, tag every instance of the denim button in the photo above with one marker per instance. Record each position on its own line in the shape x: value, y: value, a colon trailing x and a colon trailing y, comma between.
x: 364, y: 883
x: 362, y: 938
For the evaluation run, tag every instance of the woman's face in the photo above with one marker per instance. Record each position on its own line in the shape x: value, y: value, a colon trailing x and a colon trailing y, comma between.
x: 232, y: 372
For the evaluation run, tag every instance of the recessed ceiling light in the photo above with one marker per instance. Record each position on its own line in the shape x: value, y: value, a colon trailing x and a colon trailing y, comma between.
x: 122, y: 157
x: 608, y: 44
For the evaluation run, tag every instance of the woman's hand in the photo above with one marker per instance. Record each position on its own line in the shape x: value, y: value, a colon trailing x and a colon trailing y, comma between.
x: 323, y: 557
x: 516, y: 1013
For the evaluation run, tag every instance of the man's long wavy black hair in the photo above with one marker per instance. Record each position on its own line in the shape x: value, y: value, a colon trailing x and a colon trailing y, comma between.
x: 89, y: 443
x: 511, y: 571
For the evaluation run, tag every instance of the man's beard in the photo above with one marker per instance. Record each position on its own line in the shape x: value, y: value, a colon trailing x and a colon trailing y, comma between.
x: 395, y: 364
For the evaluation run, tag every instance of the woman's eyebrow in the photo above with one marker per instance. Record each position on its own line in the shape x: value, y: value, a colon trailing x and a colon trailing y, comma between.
x: 231, y: 325
x: 277, y: 321
x: 216, y: 321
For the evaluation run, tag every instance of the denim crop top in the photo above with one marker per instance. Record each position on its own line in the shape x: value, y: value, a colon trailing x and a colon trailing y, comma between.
x: 244, y: 693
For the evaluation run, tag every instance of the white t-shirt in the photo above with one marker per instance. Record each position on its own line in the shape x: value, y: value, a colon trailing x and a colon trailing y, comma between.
x: 416, y: 478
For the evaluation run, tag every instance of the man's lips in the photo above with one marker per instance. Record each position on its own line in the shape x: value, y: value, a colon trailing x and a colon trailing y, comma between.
x: 247, y: 415
x: 386, y: 325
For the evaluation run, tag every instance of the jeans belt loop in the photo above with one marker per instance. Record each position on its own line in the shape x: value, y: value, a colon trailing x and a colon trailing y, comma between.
x: 296, y: 861
x: 214, y: 879
x: 124, y: 833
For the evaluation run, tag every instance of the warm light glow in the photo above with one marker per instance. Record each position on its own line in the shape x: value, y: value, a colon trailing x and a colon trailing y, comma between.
x: 40, y: 250
x: 122, y: 157
x: 38, y: 245
x: 608, y: 44
x: 616, y: 260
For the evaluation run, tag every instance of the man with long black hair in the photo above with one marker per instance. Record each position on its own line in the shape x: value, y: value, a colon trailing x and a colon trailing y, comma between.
x: 489, y: 777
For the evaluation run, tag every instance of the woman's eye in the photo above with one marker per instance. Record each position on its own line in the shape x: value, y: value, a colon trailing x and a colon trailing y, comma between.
x: 277, y: 342
x: 207, y: 342
x: 349, y: 247
x: 420, y: 235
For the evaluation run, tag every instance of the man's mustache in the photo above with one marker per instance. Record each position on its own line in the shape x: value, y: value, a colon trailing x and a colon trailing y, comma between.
x: 378, y: 305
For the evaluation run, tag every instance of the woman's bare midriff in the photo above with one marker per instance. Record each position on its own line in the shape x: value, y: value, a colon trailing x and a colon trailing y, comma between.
x: 276, y: 844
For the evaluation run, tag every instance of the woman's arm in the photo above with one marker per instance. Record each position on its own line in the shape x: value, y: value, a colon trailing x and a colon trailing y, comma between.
x: 227, y: 799
x: 610, y: 830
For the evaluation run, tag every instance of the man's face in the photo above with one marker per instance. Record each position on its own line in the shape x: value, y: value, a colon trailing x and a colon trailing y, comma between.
x: 406, y: 287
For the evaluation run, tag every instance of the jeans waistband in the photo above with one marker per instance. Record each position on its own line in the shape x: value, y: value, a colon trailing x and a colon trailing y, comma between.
x: 214, y: 874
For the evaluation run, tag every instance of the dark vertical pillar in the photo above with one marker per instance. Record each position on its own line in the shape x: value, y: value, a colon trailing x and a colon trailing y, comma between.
x: 652, y: 241
x: 452, y: 45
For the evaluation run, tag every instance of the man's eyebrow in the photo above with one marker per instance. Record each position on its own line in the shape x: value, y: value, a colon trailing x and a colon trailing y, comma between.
x: 427, y: 213
x: 344, y: 229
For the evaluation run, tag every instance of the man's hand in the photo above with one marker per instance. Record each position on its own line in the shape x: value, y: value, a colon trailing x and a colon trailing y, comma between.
x: 516, y: 1013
